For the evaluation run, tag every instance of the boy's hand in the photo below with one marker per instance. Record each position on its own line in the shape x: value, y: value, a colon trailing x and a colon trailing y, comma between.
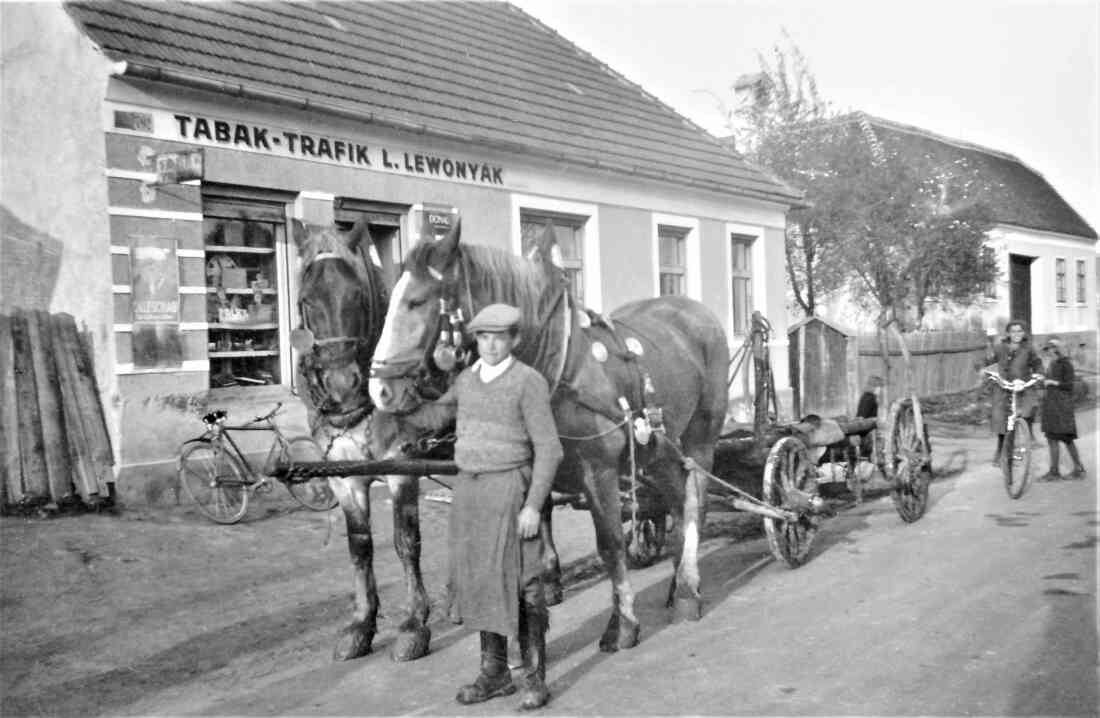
x: 529, y: 520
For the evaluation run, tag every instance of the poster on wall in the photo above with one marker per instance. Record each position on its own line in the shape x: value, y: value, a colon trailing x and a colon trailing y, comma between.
x: 155, y: 302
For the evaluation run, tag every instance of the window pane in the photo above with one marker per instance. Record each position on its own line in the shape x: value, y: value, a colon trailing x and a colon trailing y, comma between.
x: 1081, y: 281
x: 742, y: 305
x: 671, y: 284
x: 1060, y: 279
x: 569, y: 235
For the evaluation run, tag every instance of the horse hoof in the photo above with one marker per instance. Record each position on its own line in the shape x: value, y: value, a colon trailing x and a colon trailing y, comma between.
x: 628, y: 637
x: 609, y: 644
x: 554, y: 594
x: 352, y: 642
x: 687, y: 609
x: 411, y: 645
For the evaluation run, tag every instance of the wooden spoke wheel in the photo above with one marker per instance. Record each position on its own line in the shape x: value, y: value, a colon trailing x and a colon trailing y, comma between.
x: 908, y: 459
x: 645, y: 540
x: 789, y: 476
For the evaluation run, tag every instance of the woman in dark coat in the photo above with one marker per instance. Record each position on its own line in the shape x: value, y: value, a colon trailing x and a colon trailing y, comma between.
x: 1059, y: 424
x: 1016, y: 359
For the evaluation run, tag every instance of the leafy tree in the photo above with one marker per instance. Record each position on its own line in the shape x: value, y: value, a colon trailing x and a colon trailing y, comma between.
x: 892, y: 228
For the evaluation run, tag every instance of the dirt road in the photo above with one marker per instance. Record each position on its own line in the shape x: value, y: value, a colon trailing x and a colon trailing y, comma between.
x: 985, y: 606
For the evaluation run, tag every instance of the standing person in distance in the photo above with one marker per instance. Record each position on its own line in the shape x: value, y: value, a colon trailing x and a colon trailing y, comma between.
x: 507, y: 451
x: 1016, y: 361
x: 1059, y: 424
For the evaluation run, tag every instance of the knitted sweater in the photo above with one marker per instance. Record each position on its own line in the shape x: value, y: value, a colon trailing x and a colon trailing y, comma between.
x: 500, y: 425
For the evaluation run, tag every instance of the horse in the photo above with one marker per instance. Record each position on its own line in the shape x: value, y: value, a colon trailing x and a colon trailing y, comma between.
x: 342, y: 303
x: 668, y: 353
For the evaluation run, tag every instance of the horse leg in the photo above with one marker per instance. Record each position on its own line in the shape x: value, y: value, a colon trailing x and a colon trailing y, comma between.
x: 551, y: 566
x: 623, y: 627
x: 684, y: 593
x: 354, y: 640
x: 413, y: 634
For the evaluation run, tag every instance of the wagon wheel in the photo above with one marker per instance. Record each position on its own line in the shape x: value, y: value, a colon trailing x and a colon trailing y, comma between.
x: 788, y: 481
x: 645, y: 541
x: 908, y: 461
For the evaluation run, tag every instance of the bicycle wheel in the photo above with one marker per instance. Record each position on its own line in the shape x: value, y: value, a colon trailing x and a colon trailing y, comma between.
x: 215, y: 481
x: 1016, y: 459
x: 315, y: 494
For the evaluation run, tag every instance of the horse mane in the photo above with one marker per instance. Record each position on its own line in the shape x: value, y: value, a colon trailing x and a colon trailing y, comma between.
x: 499, y: 274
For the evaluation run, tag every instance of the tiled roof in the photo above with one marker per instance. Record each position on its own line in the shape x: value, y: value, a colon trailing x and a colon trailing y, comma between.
x: 1018, y: 195
x: 481, y: 72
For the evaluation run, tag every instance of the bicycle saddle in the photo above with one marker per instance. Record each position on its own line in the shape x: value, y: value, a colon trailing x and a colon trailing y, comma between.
x: 215, y: 416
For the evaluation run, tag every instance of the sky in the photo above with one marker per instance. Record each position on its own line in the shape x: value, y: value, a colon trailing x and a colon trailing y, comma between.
x: 1018, y: 76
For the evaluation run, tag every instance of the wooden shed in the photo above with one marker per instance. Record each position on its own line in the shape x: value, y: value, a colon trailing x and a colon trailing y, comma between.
x: 819, y: 366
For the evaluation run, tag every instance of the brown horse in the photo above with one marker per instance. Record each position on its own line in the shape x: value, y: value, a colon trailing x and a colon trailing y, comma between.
x: 342, y: 302
x: 592, y: 365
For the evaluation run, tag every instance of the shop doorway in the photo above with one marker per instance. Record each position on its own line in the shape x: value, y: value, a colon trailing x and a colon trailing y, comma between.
x: 1019, y: 287
x: 384, y: 222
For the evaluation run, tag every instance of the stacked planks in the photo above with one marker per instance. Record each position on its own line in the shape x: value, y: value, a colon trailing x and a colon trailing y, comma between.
x: 54, y: 445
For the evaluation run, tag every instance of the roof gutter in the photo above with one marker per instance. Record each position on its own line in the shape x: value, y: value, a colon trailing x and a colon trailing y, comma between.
x: 129, y: 69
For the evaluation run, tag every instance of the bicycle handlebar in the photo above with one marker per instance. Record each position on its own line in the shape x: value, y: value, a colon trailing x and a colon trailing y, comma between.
x: 218, y: 416
x: 1011, y: 385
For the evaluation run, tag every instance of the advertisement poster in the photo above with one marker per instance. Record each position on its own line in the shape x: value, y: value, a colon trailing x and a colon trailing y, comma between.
x: 155, y: 301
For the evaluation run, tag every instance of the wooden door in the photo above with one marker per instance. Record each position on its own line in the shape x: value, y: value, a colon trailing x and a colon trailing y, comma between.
x: 1019, y: 287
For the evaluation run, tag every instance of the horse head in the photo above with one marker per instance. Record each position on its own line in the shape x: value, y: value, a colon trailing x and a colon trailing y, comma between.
x: 444, y: 284
x: 342, y: 302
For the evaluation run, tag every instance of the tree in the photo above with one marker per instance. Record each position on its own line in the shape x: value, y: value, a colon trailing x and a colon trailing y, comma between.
x: 781, y: 124
x: 893, y: 227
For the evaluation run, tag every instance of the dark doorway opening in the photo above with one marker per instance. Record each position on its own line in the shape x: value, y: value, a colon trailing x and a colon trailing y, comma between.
x: 1019, y: 287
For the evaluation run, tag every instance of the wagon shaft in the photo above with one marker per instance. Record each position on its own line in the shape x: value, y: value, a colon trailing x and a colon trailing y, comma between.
x: 299, y: 471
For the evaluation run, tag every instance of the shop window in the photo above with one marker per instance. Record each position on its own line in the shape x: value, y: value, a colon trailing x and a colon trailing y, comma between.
x: 1081, y: 282
x: 245, y: 243
x: 741, y: 278
x: 672, y: 259
x: 1060, y: 280
x: 569, y: 233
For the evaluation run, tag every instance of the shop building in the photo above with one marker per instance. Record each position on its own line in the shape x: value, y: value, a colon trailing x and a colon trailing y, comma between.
x: 158, y: 154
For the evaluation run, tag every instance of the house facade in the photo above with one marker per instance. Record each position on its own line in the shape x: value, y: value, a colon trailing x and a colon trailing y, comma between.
x: 156, y: 157
x: 1045, y: 251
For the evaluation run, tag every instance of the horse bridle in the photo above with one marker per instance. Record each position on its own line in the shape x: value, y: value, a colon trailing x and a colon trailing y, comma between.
x: 449, y: 351
x: 314, y: 357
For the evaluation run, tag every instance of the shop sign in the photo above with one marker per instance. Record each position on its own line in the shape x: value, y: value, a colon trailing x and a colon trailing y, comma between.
x: 433, y: 220
x: 253, y: 137
x: 177, y: 167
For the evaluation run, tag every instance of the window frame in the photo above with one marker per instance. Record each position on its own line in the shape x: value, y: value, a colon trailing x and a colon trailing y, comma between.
x: 587, y: 216
x: 276, y: 207
x: 1061, y: 293
x: 1082, y: 270
x: 758, y: 284
x: 689, y: 226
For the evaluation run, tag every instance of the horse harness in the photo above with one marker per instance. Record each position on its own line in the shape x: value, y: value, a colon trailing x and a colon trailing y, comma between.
x: 316, y: 355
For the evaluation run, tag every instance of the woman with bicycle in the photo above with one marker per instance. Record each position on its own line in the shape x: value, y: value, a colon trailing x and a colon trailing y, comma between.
x: 1017, y: 361
x: 1059, y: 424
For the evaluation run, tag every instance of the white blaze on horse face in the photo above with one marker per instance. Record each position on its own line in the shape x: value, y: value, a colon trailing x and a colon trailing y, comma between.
x: 384, y: 349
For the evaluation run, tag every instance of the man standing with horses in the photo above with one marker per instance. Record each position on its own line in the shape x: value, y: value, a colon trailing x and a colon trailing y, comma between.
x: 507, y: 451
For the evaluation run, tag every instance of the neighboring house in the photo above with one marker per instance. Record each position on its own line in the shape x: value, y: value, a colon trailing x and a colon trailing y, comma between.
x: 389, y: 111
x: 1045, y: 250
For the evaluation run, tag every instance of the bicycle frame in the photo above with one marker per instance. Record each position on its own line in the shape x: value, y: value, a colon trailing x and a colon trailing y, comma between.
x: 219, y: 435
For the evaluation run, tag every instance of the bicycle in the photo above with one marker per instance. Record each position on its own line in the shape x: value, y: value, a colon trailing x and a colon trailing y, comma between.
x: 220, y: 479
x: 1016, y: 452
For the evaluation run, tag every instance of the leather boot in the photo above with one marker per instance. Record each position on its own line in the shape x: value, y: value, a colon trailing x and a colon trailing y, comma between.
x: 532, y: 645
x: 494, y: 679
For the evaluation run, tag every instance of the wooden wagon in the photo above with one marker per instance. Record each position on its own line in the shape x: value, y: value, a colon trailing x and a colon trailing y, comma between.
x: 767, y: 468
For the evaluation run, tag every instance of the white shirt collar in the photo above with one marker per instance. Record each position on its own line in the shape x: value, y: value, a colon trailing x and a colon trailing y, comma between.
x: 488, y: 373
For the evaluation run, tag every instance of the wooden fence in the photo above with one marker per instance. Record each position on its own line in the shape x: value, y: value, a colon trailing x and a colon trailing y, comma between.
x: 54, y: 444
x: 942, y: 361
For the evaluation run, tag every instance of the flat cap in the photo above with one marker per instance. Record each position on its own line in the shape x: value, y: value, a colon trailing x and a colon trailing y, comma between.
x: 495, y: 318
